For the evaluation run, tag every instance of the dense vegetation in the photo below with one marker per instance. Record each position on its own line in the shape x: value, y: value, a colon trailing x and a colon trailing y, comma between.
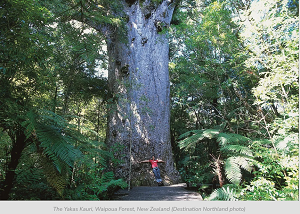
x: 234, y: 93
x: 234, y: 75
x: 52, y: 106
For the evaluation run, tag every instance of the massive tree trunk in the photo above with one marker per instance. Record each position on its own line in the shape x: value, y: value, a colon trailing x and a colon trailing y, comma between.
x: 139, y: 117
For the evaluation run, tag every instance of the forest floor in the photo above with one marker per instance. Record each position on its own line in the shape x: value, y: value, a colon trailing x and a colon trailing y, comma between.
x: 178, y: 192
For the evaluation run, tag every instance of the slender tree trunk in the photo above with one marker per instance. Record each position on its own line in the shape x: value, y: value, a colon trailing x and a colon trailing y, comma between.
x: 139, y: 119
x: 55, y: 100
x: 16, y: 151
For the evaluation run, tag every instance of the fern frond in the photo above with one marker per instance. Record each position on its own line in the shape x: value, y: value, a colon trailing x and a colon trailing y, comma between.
x: 189, y: 133
x: 108, y: 181
x: 246, y: 163
x: 288, y: 144
x: 50, y: 117
x: 56, y: 144
x: 226, y: 193
x: 233, y: 167
x: 230, y: 138
x: 211, y: 133
x: 190, y: 142
x: 237, y: 149
x: 264, y: 143
x: 111, y: 184
x: 195, y: 136
x: 233, y: 170
x: 58, y: 180
x: 30, y: 124
x: 108, y: 176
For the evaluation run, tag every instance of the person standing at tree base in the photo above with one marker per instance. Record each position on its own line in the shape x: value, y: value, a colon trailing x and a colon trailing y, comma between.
x: 155, y: 168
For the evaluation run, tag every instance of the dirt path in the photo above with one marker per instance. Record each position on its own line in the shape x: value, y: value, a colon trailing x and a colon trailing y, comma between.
x: 176, y: 192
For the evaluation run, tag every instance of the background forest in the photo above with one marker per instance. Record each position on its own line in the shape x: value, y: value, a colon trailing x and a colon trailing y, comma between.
x: 234, y: 99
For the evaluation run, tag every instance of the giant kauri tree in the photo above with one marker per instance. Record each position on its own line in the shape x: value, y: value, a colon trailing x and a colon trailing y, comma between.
x: 138, y: 78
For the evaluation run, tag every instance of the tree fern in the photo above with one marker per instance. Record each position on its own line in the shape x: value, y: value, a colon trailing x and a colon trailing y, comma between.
x: 217, y: 164
x: 57, y: 146
x: 60, y: 145
x: 233, y: 147
x: 52, y: 134
x: 55, y: 140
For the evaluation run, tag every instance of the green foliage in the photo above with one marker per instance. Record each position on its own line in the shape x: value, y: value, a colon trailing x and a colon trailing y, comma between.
x: 91, y: 182
x: 210, y: 83
x: 261, y: 189
x: 31, y: 180
x: 61, y: 157
x: 4, y: 148
x: 107, y: 181
x: 194, y: 164
x: 273, y: 41
x: 57, y: 179
x: 276, y: 173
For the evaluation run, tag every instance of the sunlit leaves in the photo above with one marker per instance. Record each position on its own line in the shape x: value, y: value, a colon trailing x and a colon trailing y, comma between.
x: 272, y: 35
x: 208, y: 74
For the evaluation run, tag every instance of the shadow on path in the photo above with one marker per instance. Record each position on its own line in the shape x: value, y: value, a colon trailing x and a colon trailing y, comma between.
x: 176, y: 192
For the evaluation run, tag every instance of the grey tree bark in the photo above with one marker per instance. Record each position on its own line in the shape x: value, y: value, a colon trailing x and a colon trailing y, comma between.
x: 139, y: 117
